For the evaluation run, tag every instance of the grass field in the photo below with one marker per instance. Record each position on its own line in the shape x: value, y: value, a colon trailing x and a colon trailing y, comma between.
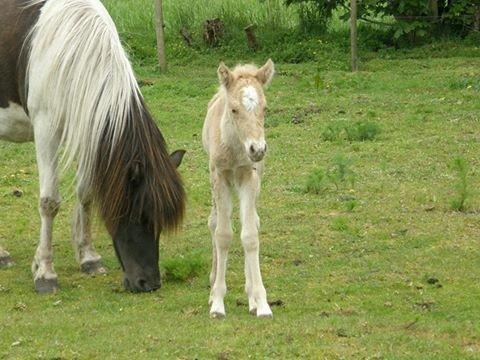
x: 377, y: 264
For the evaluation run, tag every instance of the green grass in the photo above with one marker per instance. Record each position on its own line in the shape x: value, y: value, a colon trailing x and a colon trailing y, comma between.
x: 352, y: 265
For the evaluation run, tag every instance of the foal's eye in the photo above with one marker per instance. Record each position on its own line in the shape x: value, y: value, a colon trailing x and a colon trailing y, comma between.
x: 234, y: 111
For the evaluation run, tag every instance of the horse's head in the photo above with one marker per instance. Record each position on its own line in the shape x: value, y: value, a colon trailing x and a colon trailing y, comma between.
x: 136, y: 240
x: 246, y: 104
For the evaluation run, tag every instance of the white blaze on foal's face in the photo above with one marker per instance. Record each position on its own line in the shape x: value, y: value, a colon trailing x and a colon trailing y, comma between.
x: 254, y: 143
x: 250, y: 98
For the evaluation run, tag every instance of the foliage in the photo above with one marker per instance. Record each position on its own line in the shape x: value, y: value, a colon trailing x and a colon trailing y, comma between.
x: 409, y: 18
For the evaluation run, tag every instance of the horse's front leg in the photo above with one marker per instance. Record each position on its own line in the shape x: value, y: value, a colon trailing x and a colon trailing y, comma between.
x: 223, y: 237
x: 46, y: 145
x: 247, y: 186
x: 5, y: 259
x: 90, y: 261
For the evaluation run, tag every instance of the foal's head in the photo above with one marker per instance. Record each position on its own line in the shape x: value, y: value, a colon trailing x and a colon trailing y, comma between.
x: 246, y: 104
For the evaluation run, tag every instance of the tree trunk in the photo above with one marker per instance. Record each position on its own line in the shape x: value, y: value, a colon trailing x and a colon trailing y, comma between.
x: 251, y: 38
x: 162, y: 61
x: 433, y: 4
x: 476, y: 22
x: 353, y: 34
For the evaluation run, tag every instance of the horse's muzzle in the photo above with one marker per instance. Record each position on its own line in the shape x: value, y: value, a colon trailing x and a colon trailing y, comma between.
x: 141, y: 285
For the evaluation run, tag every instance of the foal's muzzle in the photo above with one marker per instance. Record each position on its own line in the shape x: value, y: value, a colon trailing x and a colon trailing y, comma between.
x: 256, y: 149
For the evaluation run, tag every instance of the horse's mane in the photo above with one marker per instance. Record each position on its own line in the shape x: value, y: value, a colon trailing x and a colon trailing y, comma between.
x: 90, y: 91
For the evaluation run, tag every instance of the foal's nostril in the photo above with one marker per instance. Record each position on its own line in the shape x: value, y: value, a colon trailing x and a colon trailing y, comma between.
x: 252, y: 149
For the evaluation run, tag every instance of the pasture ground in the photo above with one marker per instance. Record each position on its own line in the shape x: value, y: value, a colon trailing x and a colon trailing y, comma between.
x: 381, y: 267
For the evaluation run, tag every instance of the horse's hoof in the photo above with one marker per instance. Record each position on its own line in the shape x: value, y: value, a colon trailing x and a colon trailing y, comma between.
x: 46, y: 286
x: 93, y: 267
x: 217, y: 315
x: 253, y: 312
x: 5, y: 262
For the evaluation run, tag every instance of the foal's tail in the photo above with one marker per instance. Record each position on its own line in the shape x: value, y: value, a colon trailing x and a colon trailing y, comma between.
x: 79, y: 73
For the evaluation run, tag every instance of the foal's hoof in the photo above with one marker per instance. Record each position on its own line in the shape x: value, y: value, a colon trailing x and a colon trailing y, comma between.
x: 264, y: 313
x: 5, y: 262
x: 46, y: 286
x: 93, y: 267
x: 265, y: 316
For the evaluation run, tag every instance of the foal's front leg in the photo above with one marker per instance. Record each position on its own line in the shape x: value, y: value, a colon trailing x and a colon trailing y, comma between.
x: 46, y: 145
x: 257, y: 296
x: 223, y: 238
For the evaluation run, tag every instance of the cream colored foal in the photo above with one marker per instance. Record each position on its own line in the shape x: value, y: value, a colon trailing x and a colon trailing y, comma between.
x: 233, y: 136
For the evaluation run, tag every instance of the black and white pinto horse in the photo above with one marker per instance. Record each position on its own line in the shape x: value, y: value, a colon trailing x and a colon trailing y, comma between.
x: 67, y: 85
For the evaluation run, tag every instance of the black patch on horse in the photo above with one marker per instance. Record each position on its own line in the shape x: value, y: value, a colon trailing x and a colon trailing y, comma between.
x: 16, y: 20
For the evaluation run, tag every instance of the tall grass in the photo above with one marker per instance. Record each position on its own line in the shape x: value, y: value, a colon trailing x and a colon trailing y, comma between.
x: 281, y: 31
x: 135, y: 22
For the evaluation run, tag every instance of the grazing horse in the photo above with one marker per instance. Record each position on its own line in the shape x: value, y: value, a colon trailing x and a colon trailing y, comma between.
x: 233, y: 137
x: 67, y: 85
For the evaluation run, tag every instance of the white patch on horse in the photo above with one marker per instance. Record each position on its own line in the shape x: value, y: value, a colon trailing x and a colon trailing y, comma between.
x: 14, y: 124
x: 250, y: 98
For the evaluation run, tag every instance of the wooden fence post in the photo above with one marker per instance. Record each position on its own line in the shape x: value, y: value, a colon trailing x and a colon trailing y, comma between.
x: 353, y: 35
x: 162, y: 61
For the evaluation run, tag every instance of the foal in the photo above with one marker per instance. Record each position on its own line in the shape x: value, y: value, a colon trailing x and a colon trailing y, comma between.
x: 233, y: 136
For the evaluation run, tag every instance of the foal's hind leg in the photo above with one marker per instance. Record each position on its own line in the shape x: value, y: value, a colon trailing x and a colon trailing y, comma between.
x: 46, y: 145
x: 5, y: 259
x: 90, y: 261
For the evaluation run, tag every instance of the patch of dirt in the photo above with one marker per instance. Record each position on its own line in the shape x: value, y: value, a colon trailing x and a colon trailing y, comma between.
x: 425, y: 305
x: 277, y: 302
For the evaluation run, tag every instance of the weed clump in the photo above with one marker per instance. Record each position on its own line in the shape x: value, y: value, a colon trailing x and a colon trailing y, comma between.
x: 462, y: 189
x: 358, y: 131
x: 339, y: 174
x: 317, y: 182
x: 182, y: 269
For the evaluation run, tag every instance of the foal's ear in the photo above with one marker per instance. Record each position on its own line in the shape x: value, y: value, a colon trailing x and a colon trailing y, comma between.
x: 265, y: 73
x: 176, y: 157
x: 225, y: 76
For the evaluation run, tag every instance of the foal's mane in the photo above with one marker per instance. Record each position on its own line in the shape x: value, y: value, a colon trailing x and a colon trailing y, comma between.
x: 95, y: 104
